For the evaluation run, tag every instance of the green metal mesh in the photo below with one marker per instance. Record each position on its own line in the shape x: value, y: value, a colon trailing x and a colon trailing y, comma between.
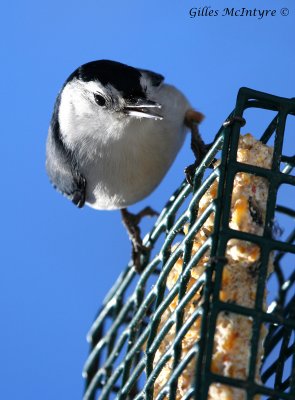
x: 124, y: 337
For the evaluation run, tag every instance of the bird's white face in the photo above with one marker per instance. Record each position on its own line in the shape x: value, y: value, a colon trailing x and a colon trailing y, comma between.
x: 117, y: 127
x: 89, y: 109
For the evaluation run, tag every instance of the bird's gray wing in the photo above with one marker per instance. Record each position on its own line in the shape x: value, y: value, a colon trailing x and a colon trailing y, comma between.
x: 155, y: 78
x: 61, y: 165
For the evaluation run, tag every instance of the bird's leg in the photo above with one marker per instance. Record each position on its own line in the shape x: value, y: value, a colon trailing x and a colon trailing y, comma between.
x: 131, y: 222
x: 200, y: 149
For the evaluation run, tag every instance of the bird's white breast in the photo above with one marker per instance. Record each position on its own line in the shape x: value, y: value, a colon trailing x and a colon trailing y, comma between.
x: 125, y: 164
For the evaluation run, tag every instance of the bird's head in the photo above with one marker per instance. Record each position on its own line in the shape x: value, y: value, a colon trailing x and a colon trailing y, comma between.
x: 101, y: 92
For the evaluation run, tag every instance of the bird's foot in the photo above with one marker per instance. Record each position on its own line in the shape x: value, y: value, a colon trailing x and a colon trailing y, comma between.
x: 190, y: 173
x: 190, y: 170
x: 234, y: 119
x: 200, y: 149
x: 131, y: 222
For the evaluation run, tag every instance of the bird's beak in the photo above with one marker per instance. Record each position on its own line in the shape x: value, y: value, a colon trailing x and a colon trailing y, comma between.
x: 143, y: 108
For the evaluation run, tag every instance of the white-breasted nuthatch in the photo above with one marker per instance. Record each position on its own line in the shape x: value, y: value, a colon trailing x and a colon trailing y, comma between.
x: 114, y: 133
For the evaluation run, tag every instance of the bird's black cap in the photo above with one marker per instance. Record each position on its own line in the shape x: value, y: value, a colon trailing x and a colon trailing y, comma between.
x: 124, y: 78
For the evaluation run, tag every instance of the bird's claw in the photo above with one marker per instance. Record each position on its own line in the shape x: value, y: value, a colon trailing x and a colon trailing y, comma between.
x: 138, y: 252
x: 230, y: 121
x: 131, y: 222
x: 200, y: 149
x: 146, y: 212
x: 190, y: 173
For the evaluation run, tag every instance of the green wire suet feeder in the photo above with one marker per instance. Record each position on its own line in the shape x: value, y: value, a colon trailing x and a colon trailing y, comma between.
x: 126, y: 360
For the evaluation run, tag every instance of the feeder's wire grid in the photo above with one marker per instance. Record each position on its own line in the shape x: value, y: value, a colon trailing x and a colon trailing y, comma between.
x: 124, y: 337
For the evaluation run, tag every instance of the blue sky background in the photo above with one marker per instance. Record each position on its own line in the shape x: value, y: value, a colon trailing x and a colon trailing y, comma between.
x: 58, y: 262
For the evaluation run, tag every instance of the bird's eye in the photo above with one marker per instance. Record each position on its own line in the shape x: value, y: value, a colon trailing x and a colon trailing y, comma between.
x: 99, y: 99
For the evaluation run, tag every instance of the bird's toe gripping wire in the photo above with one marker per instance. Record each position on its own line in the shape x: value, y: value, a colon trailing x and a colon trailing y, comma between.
x: 200, y: 149
x: 131, y: 222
